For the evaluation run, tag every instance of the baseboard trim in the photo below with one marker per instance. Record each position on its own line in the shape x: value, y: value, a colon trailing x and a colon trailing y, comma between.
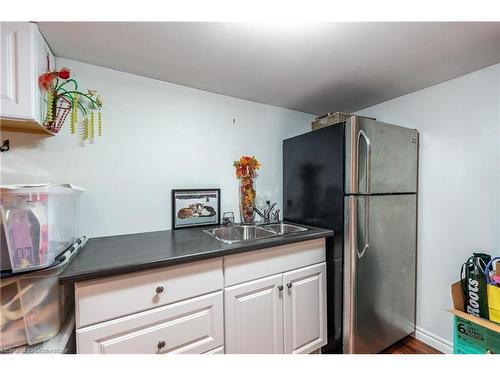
x: 431, y: 339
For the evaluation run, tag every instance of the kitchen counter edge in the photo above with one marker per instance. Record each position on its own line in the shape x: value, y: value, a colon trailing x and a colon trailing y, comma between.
x: 196, y: 255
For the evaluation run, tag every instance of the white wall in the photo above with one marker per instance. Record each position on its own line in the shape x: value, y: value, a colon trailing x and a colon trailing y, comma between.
x: 157, y: 136
x: 459, y: 184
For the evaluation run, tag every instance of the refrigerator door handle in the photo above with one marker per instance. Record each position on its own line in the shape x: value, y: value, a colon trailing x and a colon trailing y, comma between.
x: 367, y: 230
x: 351, y: 261
x: 349, y: 314
x: 362, y: 133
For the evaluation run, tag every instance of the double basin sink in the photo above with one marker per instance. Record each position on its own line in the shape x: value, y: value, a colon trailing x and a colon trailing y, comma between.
x: 240, y: 233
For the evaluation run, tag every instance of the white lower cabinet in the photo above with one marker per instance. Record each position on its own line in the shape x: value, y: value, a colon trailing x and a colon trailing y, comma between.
x: 305, y: 309
x: 254, y: 317
x: 191, y: 326
x: 284, y: 313
x: 267, y: 301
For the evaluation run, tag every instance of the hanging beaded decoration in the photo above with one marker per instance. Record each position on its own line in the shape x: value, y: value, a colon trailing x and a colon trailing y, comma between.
x: 61, y: 100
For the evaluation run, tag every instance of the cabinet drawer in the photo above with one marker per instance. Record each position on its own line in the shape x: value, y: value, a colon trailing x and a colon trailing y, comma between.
x: 193, y: 326
x: 252, y: 265
x: 113, y: 297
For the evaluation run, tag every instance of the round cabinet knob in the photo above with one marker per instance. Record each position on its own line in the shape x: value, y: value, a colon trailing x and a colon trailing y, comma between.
x: 161, y: 344
x: 159, y: 289
x: 289, y: 285
x: 280, y: 287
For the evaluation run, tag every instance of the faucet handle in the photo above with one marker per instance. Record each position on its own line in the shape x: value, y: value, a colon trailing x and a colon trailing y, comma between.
x: 228, y: 218
x: 276, y: 215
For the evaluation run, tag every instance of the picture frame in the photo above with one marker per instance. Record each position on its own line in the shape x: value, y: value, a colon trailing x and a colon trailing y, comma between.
x: 195, y: 208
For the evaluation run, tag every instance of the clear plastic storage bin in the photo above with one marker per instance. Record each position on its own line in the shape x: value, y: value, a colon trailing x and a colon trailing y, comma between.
x: 39, y: 223
x: 34, y: 305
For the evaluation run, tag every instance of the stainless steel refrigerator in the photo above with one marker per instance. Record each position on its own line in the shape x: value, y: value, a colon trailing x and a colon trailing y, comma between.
x: 359, y: 178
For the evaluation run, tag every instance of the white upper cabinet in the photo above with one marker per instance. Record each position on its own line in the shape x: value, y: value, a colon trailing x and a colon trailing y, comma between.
x: 24, y: 57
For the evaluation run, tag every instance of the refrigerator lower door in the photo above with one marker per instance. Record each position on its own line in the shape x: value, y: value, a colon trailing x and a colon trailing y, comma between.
x: 380, y: 158
x: 379, y: 271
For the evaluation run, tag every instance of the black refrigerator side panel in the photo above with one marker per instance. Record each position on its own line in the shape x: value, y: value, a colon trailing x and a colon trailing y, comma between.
x: 313, y: 178
x: 334, y: 293
x: 313, y: 194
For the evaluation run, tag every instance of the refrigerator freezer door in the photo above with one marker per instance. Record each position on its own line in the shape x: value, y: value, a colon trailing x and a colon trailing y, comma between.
x: 380, y: 158
x: 379, y: 271
x: 313, y: 181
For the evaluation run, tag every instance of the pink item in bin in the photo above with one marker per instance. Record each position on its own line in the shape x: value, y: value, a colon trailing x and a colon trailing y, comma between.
x: 39, y: 222
x: 23, y: 226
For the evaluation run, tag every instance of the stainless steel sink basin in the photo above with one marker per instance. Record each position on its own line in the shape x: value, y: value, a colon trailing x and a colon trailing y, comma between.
x: 252, y: 232
x: 240, y: 233
x: 281, y: 229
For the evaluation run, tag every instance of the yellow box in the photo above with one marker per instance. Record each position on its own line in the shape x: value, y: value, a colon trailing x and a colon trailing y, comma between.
x: 494, y: 302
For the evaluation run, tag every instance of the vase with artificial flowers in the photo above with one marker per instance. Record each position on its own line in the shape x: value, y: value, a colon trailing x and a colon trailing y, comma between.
x: 246, y: 172
x: 64, y: 97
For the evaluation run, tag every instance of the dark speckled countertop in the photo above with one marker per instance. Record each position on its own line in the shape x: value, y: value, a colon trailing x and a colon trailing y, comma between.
x: 107, y: 256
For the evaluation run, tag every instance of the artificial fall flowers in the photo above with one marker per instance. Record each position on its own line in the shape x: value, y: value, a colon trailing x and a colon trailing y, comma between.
x: 245, y: 171
x: 247, y: 165
x: 63, y: 97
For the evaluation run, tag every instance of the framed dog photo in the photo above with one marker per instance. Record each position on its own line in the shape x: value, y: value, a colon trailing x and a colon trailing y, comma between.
x: 195, y: 207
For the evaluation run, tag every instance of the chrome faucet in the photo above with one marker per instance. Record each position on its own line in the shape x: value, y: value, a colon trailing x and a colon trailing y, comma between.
x: 268, y: 211
x: 228, y: 218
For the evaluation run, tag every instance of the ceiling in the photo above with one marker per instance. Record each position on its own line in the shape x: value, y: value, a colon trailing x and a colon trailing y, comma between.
x: 313, y: 68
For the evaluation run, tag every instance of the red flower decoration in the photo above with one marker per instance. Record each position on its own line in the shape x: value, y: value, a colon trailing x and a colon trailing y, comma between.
x: 46, y: 80
x: 63, y: 73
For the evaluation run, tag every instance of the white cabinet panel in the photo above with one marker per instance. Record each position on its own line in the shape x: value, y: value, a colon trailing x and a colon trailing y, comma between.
x: 193, y: 326
x: 252, y: 265
x: 112, y: 297
x: 17, y: 70
x: 8, y: 87
x: 254, y: 317
x: 305, y: 309
x: 24, y: 55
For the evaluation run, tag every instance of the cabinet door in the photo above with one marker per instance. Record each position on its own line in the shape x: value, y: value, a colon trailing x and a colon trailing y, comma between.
x: 305, y: 309
x: 254, y: 316
x: 192, y: 326
x: 16, y: 92
x: 24, y: 57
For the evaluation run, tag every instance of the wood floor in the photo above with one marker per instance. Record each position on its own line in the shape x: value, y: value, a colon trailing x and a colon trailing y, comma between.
x: 410, y: 345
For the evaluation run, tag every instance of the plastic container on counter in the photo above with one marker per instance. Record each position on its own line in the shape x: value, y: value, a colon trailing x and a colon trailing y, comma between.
x: 33, y: 305
x: 39, y: 222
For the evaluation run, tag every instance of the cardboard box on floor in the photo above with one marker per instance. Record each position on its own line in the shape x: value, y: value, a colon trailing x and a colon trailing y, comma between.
x: 472, y: 335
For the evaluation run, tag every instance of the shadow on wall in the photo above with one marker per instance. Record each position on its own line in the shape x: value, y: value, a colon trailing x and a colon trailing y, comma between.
x: 17, y: 141
x: 22, y: 140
